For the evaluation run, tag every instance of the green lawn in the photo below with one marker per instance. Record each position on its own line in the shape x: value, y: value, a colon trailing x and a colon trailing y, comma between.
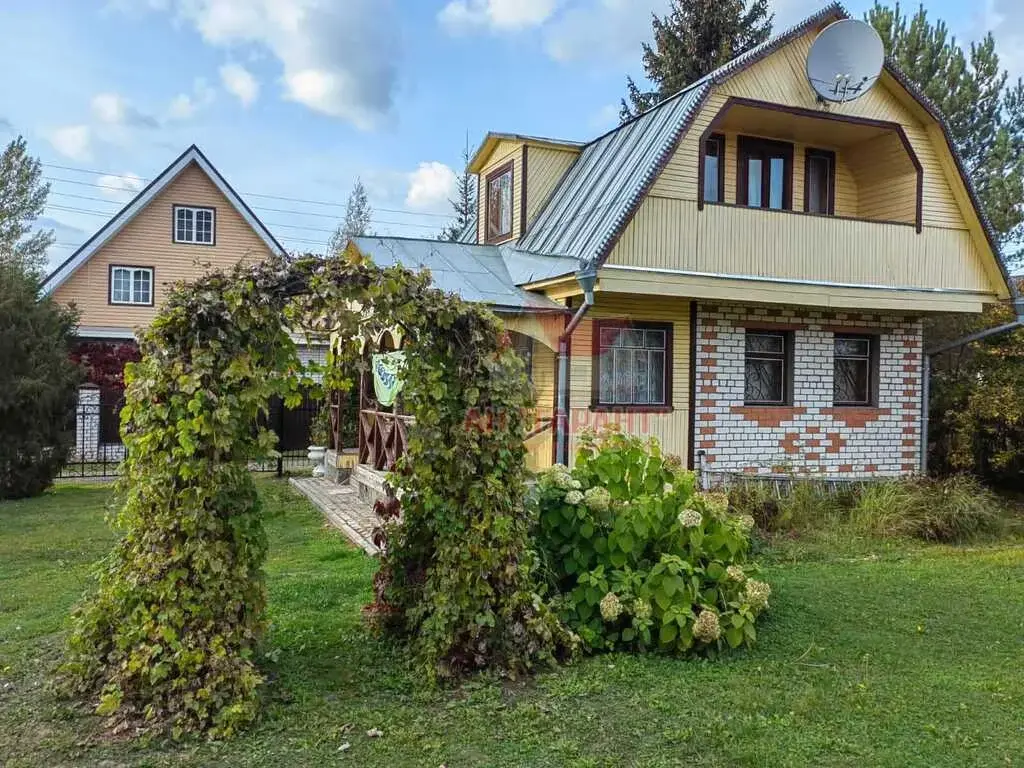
x: 872, y: 655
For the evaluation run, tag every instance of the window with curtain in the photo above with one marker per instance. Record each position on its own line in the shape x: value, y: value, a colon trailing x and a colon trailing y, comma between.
x: 854, y: 370
x: 820, y: 181
x: 714, y: 169
x: 768, y: 363
x: 131, y: 285
x: 764, y: 173
x: 499, y: 204
x: 633, y: 364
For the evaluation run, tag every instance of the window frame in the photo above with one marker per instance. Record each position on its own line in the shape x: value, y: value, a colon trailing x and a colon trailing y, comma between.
x: 824, y: 154
x: 719, y: 140
x: 632, y: 325
x: 872, y: 360
x: 501, y: 170
x: 787, y: 357
x: 193, y: 208
x: 749, y: 147
x: 132, y: 269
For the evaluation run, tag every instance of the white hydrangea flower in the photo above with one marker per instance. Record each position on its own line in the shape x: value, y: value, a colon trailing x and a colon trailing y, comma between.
x: 611, y: 607
x: 641, y: 609
x: 668, y: 488
x: 746, y: 523
x: 598, y: 499
x: 690, y: 518
x: 576, y: 484
x: 706, y: 628
x: 574, y: 497
x: 757, y: 593
x: 735, y: 573
x: 716, y: 502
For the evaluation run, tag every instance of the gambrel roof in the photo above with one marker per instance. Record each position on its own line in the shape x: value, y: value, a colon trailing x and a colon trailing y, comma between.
x: 143, y: 199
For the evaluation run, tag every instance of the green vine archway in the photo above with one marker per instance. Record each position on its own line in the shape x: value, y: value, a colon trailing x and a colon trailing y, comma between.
x: 168, y: 639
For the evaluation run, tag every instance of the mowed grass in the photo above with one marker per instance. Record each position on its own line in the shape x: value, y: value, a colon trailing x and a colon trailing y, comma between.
x: 871, y: 655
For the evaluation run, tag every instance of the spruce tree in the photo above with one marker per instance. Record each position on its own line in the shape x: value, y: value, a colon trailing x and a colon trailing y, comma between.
x: 694, y: 38
x: 357, y: 219
x: 464, y: 203
x: 985, y: 112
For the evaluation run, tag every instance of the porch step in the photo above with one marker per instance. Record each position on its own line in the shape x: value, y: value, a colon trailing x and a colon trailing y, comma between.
x: 343, y: 509
x: 368, y: 483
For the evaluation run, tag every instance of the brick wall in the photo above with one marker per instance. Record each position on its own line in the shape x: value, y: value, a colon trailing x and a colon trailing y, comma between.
x: 811, y: 436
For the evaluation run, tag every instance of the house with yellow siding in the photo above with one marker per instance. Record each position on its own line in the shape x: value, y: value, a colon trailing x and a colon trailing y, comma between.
x: 740, y: 272
x: 187, y: 221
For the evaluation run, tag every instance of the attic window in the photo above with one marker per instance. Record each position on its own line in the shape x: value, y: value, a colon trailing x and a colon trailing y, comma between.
x: 499, y: 204
x: 194, y: 225
x: 131, y: 285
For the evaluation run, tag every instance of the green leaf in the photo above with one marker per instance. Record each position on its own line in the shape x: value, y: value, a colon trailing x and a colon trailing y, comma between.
x: 734, y: 637
x: 667, y: 634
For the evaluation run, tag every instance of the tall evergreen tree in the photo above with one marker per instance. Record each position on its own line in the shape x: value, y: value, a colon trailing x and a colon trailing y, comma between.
x: 984, y: 111
x: 22, y: 199
x: 695, y: 37
x: 464, y: 203
x: 357, y: 219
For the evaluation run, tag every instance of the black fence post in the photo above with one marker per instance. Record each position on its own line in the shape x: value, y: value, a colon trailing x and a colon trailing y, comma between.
x: 280, y: 438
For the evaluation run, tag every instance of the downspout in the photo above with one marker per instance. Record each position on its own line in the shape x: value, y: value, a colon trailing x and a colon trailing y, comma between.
x: 587, y: 277
x: 926, y: 369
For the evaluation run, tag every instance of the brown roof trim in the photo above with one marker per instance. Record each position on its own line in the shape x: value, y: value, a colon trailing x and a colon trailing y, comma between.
x: 740, y: 101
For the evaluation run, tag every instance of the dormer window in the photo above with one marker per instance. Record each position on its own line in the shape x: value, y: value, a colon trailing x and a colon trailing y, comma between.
x: 714, y: 169
x: 194, y: 225
x: 499, y: 204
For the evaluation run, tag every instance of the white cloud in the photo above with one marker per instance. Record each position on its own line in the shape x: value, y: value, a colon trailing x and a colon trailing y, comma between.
x: 431, y: 186
x: 74, y: 141
x: 1005, y: 20
x: 185, y: 105
x: 121, y: 187
x: 498, y: 15
x: 240, y: 81
x: 602, y: 29
x: 606, y: 117
x: 116, y: 111
x: 338, y: 58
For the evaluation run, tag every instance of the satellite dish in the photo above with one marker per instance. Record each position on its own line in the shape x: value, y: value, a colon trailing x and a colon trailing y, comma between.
x: 845, y: 60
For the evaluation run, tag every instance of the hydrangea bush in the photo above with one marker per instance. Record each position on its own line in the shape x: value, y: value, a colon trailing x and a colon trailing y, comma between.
x: 639, y: 559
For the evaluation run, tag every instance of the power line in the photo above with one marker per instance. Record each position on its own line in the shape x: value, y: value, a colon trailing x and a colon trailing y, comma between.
x: 245, y: 194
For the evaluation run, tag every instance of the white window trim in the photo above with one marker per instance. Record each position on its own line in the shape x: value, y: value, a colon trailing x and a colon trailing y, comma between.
x: 193, y: 209
x: 133, y: 301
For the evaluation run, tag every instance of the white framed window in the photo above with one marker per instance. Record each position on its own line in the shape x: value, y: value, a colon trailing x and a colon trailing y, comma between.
x: 131, y: 285
x: 194, y: 225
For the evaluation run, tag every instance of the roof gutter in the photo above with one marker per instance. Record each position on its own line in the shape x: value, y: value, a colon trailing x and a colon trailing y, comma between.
x: 587, y: 278
x: 926, y: 368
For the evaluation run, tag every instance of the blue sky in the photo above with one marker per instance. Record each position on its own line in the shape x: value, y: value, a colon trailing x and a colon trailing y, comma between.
x: 297, y: 98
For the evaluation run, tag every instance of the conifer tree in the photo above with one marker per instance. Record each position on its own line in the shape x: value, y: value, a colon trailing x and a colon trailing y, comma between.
x: 357, y: 219
x: 22, y: 199
x: 464, y: 203
x: 695, y: 37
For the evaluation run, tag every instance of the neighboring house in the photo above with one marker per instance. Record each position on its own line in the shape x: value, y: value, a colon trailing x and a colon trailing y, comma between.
x: 187, y: 221
x: 763, y: 264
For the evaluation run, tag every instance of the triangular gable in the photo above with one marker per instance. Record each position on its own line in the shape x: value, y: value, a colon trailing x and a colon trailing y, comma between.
x: 143, y: 199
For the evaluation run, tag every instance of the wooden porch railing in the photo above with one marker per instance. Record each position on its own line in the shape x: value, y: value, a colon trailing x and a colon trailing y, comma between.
x: 383, y: 437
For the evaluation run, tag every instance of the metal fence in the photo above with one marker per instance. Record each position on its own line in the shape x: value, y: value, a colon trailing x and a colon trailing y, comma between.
x: 98, y: 451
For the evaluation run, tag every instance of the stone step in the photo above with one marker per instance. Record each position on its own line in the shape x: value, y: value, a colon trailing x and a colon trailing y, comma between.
x: 368, y: 484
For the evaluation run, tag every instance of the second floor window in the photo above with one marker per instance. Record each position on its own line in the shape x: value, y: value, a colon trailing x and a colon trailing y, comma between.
x: 820, y: 181
x: 499, y: 204
x: 194, y: 225
x: 765, y: 174
x: 633, y: 364
x: 131, y: 285
x: 714, y: 169
x: 768, y: 365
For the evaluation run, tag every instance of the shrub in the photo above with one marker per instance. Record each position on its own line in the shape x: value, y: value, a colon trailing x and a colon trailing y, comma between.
x: 638, y: 559
x: 798, y: 504
x: 37, y: 386
x: 953, y: 510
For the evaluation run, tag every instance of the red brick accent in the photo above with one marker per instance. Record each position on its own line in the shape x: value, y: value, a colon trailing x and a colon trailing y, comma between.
x: 707, y: 403
x: 706, y: 416
x: 768, y: 416
x: 909, y: 442
x: 788, y: 443
x: 911, y: 356
x: 708, y: 347
x: 707, y: 430
x: 750, y: 470
x: 910, y: 369
x: 765, y: 325
x: 813, y: 430
x: 812, y: 456
x: 870, y: 467
x: 706, y: 444
x: 910, y: 430
x: 909, y: 455
x: 846, y: 467
x: 856, y: 416
x: 709, y: 335
x: 908, y: 467
x: 708, y: 389
x: 836, y: 443
x: 911, y: 393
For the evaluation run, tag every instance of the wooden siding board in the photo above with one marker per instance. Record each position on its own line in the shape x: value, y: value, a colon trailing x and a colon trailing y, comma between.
x: 503, y: 152
x: 546, y: 168
x: 146, y: 241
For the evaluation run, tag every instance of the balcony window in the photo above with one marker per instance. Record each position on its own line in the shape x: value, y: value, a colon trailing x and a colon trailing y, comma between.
x: 714, y: 169
x: 764, y: 174
x: 820, y: 181
x: 499, y: 204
